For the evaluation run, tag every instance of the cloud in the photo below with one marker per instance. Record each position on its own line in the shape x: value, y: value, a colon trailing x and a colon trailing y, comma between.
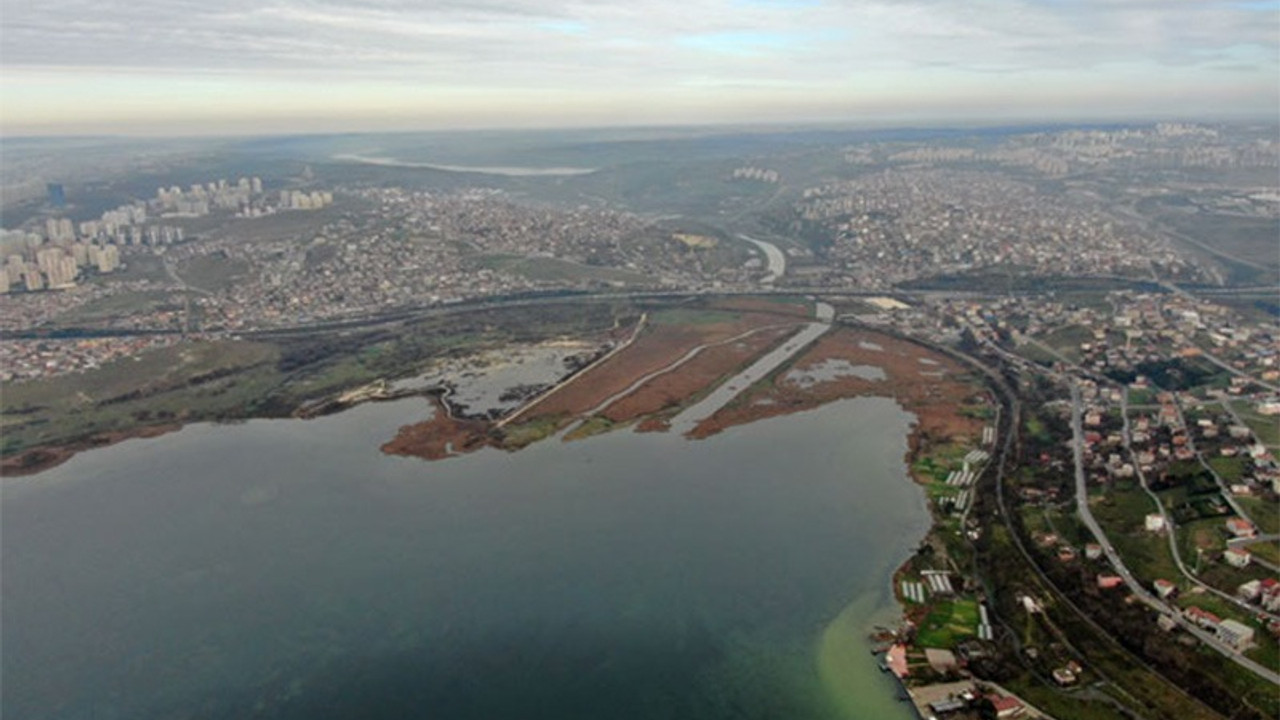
x: 646, y: 45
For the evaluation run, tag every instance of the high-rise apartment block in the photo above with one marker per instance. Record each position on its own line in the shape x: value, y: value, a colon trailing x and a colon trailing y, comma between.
x: 59, y: 229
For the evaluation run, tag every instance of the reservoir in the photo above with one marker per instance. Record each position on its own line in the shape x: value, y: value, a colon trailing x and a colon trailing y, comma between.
x: 289, y: 569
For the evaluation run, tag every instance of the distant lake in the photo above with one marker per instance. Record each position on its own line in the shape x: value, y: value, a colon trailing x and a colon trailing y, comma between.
x: 513, y: 171
x: 289, y: 569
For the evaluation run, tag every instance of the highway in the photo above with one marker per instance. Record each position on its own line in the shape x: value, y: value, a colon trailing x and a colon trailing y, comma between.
x: 408, y: 313
x: 777, y: 262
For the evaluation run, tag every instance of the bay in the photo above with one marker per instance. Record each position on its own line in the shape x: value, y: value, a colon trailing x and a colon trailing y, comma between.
x: 289, y: 569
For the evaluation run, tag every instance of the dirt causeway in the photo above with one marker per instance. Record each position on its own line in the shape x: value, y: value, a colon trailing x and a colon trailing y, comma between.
x: 843, y: 363
x: 672, y: 389
x: 668, y: 337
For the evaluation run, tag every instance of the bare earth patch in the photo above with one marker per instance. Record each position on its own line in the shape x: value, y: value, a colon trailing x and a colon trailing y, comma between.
x: 440, y: 437
x: 843, y: 363
x: 935, y: 395
x: 672, y: 389
x: 657, y: 347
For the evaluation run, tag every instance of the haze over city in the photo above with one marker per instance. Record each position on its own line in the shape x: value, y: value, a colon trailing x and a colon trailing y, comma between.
x: 76, y: 67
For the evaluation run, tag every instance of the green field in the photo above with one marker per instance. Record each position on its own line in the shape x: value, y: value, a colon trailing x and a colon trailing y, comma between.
x: 1230, y: 469
x: 1122, y: 514
x: 1036, y: 429
x: 1264, y: 513
x: 1248, y: 238
x: 134, y: 267
x: 1205, y: 535
x: 1269, y: 551
x: 520, y: 434
x: 159, y: 386
x: 229, y: 380
x: 1266, y: 427
x: 1064, y: 706
x: 947, y: 623
x: 1036, y: 354
x: 1141, y: 396
x: 121, y: 304
x: 1067, y: 340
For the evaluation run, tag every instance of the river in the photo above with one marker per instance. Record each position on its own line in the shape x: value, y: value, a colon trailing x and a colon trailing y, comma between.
x: 288, y: 569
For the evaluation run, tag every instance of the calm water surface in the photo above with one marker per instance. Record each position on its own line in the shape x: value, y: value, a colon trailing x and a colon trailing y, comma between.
x: 288, y: 569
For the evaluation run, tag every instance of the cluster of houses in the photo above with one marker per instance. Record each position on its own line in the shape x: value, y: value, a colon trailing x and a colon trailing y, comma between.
x: 1231, y: 632
x: 968, y: 701
x: 1168, y: 324
x: 1265, y: 592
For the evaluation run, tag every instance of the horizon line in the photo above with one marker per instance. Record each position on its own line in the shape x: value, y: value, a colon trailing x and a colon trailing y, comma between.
x: 955, y: 123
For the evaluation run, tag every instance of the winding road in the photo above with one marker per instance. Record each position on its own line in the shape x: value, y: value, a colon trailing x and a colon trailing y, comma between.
x: 1140, y: 592
x: 1172, y: 534
x: 775, y: 259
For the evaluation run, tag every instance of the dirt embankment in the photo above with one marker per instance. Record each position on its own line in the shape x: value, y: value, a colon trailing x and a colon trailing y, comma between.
x: 672, y: 389
x: 40, y: 459
x: 660, y: 345
x: 926, y: 383
x: 666, y: 340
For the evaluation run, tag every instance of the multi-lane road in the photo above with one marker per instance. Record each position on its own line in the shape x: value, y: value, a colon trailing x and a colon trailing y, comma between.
x: 776, y: 261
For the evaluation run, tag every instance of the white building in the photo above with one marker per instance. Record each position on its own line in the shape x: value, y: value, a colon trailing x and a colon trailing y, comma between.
x: 1236, y: 634
x: 1236, y: 557
x: 1251, y: 590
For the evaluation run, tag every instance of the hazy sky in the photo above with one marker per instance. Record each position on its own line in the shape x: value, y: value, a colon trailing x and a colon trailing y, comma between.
x: 181, y: 66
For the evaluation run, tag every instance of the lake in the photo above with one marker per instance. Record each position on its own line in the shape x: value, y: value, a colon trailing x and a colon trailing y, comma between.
x: 289, y: 569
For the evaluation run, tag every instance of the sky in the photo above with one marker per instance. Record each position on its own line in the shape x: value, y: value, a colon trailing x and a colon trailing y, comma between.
x: 179, y: 67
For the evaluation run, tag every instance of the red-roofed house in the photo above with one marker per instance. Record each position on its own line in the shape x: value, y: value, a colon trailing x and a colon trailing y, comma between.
x: 1164, y: 588
x: 1270, y: 596
x: 1240, y: 527
x: 1203, y: 618
x: 1106, y: 582
x: 1007, y: 707
x: 896, y: 660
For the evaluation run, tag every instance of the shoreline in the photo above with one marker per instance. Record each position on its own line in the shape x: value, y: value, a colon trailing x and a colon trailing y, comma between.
x: 35, y: 460
x: 856, y: 622
x: 936, y: 402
